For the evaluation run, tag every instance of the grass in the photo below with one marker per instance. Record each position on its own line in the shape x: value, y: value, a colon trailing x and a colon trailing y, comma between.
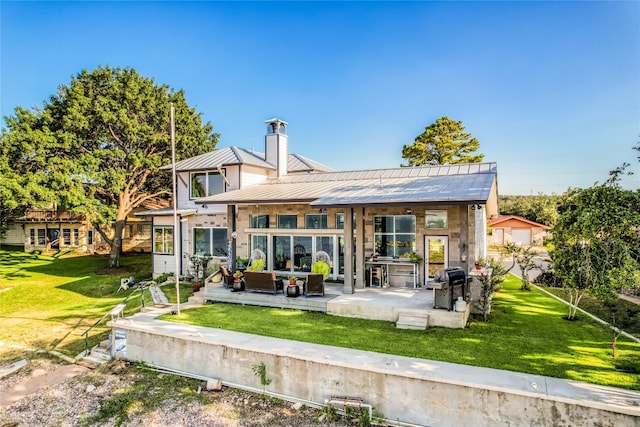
x: 526, y: 332
x: 627, y: 314
x: 48, y: 301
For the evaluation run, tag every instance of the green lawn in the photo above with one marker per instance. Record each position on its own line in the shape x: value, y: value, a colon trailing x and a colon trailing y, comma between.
x: 526, y: 333
x: 47, y: 301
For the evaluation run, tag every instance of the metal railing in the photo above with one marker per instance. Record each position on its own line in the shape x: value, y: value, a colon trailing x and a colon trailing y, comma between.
x: 140, y: 288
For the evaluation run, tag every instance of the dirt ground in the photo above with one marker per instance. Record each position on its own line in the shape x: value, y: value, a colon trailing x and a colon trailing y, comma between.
x: 45, y: 393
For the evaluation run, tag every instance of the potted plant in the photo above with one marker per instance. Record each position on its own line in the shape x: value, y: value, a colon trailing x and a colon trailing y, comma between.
x: 292, y: 289
x: 196, y: 286
x: 414, y: 258
x: 237, y: 275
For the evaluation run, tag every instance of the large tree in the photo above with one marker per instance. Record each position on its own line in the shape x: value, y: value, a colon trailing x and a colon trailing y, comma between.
x: 595, y: 241
x: 100, y: 141
x: 442, y: 142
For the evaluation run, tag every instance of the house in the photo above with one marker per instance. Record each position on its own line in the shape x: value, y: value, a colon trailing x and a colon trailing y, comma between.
x: 57, y: 228
x: 515, y: 229
x: 291, y: 210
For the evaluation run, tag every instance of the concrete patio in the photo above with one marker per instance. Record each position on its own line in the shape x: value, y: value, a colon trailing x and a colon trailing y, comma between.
x: 409, y: 307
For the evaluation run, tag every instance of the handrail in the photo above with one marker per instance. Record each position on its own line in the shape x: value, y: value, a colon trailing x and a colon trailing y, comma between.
x: 86, y: 333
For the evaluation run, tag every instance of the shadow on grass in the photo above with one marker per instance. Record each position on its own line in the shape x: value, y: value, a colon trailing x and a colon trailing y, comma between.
x: 525, y: 333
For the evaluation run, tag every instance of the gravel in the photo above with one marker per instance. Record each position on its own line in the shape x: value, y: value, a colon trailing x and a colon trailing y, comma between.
x: 72, y: 402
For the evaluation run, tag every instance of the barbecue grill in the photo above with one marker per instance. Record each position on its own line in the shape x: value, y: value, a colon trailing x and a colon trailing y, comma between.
x: 453, y: 286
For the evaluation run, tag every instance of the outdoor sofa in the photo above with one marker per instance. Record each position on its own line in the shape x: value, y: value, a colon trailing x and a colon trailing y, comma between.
x: 262, y: 281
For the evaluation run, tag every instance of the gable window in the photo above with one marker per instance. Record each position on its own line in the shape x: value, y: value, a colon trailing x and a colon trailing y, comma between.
x: 316, y: 221
x: 287, y: 221
x: 163, y: 240
x: 205, y: 184
x: 394, y: 235
x: 210, y: 241
x: 259, y: 221
x: 435, y: 219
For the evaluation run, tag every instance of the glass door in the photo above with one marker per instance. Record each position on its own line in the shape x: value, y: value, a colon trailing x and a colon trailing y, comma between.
x: 436, y: 254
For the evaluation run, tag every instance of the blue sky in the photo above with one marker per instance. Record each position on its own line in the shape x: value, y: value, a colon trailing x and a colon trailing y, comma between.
x: 551, y: 89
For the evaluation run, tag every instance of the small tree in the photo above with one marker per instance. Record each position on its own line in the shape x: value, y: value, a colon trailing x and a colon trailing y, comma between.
x: 596, y: 240
x: 523, y: 256
x: 443, y: 142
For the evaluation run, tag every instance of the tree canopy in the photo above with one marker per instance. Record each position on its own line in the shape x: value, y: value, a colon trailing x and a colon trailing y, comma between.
x: 540, y: 208
x: 442, y: 142
x: 596, y: 241
x: 96, y: 145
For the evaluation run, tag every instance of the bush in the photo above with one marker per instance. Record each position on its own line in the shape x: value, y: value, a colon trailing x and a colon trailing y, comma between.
x: 628, y: 364
x: 548, y: 278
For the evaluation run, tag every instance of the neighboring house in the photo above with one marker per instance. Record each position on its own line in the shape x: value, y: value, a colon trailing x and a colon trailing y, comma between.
x: 290, y: 210
x: 515, y: 229
x: 56, y: 229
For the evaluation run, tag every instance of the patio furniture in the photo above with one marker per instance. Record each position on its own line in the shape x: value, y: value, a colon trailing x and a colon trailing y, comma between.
x: 314, y: 285
x: 227, y: 278
x: 262, y: 281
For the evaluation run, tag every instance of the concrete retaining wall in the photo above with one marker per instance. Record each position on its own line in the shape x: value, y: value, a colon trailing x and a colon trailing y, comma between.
x: 405, y: 390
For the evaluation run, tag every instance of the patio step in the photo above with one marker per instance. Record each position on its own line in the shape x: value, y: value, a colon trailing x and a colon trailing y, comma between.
x: 197, y: 297
x: 412, y: 320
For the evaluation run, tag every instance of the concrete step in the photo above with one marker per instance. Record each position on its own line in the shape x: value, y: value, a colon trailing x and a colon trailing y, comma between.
x: 157, y: 295
x: 197, y: 297
x: 412, y: 320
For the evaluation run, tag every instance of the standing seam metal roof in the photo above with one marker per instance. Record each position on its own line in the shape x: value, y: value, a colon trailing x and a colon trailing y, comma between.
x: 456, y: 183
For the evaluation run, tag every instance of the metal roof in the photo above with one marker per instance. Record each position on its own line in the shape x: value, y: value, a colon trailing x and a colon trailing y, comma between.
x: 470, y: 183
x: 167, y: 212
x: 239, y: 156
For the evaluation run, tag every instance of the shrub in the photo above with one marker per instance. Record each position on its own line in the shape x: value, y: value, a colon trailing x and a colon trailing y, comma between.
x: 548, y: 278
x: 628, y: 364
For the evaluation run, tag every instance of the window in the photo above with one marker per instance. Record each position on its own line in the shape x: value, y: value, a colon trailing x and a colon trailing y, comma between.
x: 316, y: 221
x: 90, y: 237
x: 206, y: 184
x: 66, y: 236
x: 211, y: 241
x: 435, y: 219
x: 163, y: 240
x: 282, y: 252
x: 32, y: 236
x: 260, y: 243
x: 287, y: 221
x: 76, y: 237
x: 42, y: 237
x: 259, y: 221
x: 340, y: 221
x: 394, y: 235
